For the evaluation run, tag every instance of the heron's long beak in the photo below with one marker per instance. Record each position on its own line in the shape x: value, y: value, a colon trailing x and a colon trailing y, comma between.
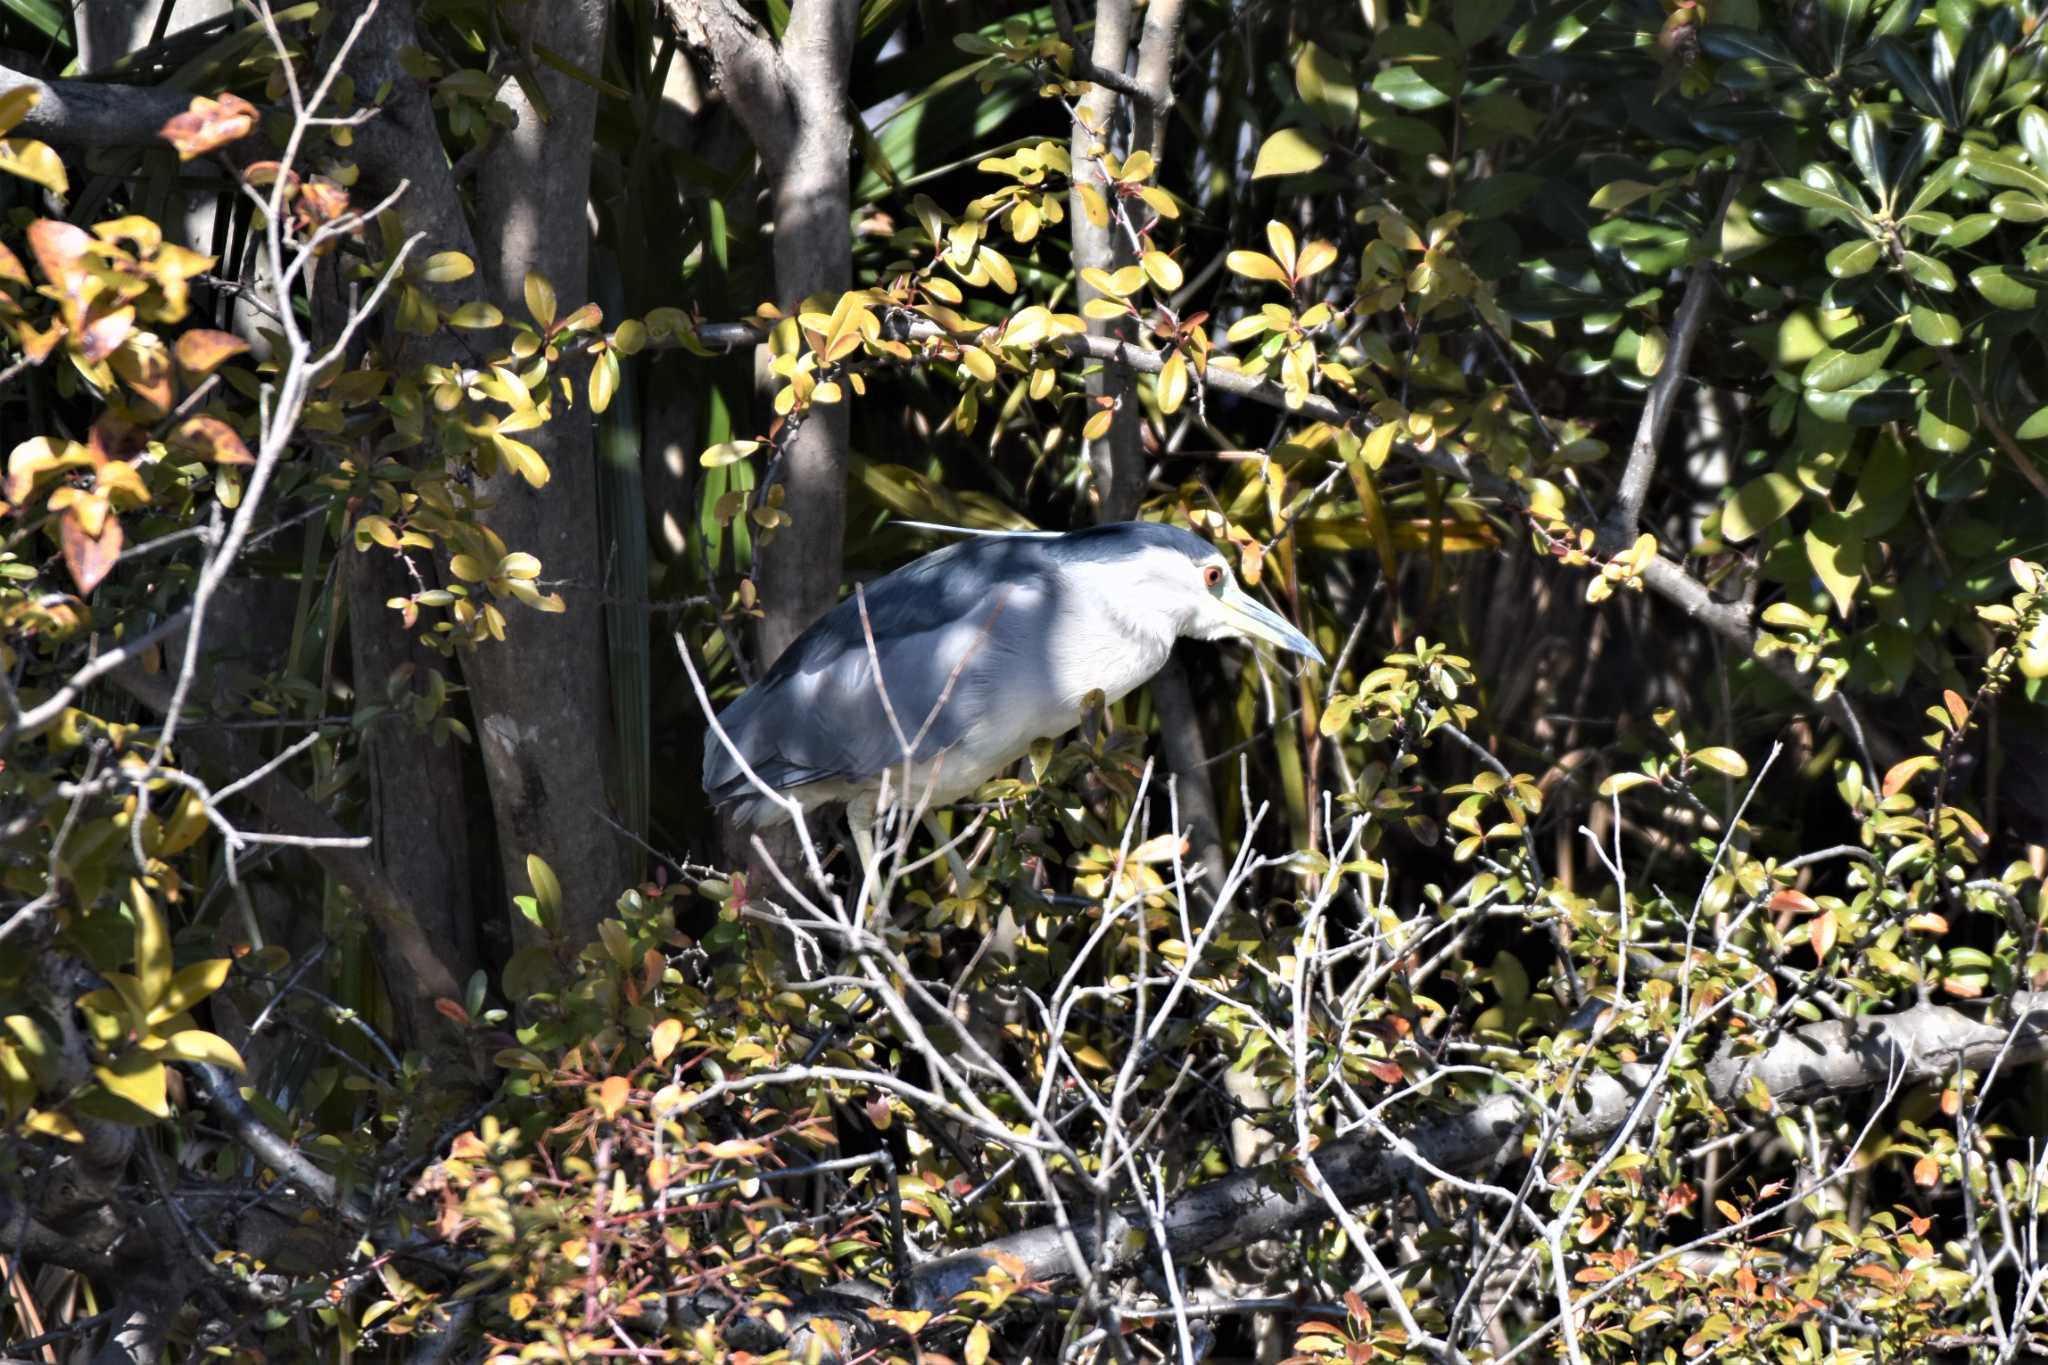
x: 1255, y: 620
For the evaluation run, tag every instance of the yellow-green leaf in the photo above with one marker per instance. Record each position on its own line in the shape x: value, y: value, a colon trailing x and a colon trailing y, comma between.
x: 727, y: 452
x: 1163, y: 270
x: 1289, y: 151
x: 475, y: 314
x: 139, y: 1079
x: 152, y: 946
x: 1256, y: 265
x: 190, y: 986
x: 446, y: 267
x: 34, y: 161
x: 540, y: 299
x: 1173, y: 383
x: 1760, y: 502
x: 524, y: 459
x: 197, y: 1045
x: 1722, y: 760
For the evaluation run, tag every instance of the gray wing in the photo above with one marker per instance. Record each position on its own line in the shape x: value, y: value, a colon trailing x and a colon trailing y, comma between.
x: 970, y: 615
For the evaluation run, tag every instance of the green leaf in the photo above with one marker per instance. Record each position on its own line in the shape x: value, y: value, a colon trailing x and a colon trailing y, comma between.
x: 1836, y: 555
x: 1473, y: 20
x: 1327, y: 86
x: 1800, y: 194
x: 2003, y: 287
x: 1947, y: 418
x: 1928, y: 273
x: 1757, y: 504
x: 1408, y: 88
x: 1851, y: 259
x: 1871, y: 401
x: 1290, y: 151
x: 1935, y: 328
x: 547, y: 892
x: 1721, y: 760
x: 1930, y: 97
x: 1555, y: 28
x: 2033, y: 131
x: 1839, y: 366
x: 2035, y: 427
x: 2017, y: 206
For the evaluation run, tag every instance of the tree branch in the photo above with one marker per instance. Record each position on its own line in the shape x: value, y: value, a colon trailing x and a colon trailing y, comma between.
x: 1619, y: 528
x: 1926, y: 1043
x: 93, y: 113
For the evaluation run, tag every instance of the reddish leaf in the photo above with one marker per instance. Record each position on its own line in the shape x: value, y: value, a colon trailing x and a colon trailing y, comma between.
x: 450, y: 1010
x: 90, y: 558
x: 212, y: 439
x: 1901, y: 773
x: 1958, y: 709
x: 147, y: 371
x: 102, y: 336
x: 1792, y: 902
x: 202, y: 350
x: 321, y: 201
x: 208, y: 125
x: 266, y: 173
x: 59, y: 249
x: 115, y: 438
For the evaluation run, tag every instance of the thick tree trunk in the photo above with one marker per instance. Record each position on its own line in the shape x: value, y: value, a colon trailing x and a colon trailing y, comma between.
x: 813, y: 255
x: 541, y: 697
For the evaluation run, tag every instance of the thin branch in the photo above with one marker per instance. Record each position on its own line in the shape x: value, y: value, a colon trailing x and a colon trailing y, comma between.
x: 1620, y: 526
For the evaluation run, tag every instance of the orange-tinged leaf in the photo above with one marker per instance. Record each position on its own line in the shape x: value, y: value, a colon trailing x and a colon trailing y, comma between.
x: 667, y: 1034
x: 202, y: 350
x: 59, y: 249
x: 90, y: 558
x: 1792, y: 902
x: 101, y: 336
x: 1901, y: 773
x: 1824, y: 932
x: 1958, y: 709
x: 611, y: 1096
x: 212, y: 439
x: 207, y: 125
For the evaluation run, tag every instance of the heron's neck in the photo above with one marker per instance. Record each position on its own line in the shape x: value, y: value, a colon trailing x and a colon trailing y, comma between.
x: 1116, y: 646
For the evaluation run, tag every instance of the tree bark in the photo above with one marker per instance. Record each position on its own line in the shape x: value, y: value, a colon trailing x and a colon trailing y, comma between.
x: 791, y: 99
x: 541, y: 696
x: 1117, y: 457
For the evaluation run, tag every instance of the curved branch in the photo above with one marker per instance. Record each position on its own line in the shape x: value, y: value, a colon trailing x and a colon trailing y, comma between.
x: 94, y: 113
x: 1840, y: 1057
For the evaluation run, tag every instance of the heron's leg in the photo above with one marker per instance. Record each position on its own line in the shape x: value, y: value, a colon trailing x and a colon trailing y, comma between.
x: 961, y: 877
x: 860, y: 820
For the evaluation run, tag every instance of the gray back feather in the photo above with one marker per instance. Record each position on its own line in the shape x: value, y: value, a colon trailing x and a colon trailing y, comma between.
x: 977, y: 615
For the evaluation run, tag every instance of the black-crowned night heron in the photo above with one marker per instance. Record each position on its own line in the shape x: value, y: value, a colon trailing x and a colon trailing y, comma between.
x: 939, y: 676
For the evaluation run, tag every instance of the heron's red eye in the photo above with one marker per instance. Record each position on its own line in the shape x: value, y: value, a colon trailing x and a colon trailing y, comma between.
x: 1213, y: 575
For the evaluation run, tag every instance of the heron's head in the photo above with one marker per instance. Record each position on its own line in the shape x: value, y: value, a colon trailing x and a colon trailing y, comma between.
x: 1165, y: 573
